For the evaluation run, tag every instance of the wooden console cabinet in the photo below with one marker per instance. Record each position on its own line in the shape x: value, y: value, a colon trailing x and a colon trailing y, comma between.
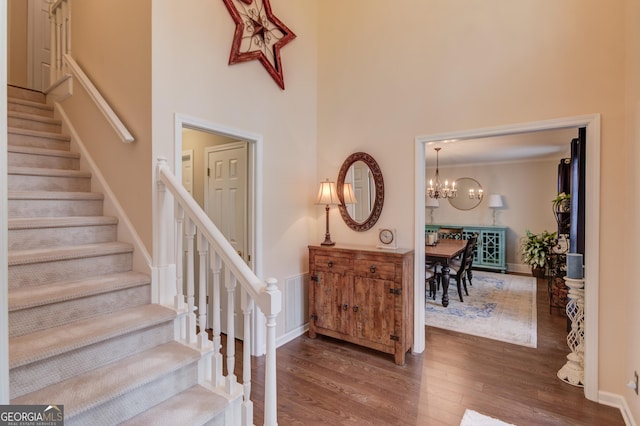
x: 363, y: 296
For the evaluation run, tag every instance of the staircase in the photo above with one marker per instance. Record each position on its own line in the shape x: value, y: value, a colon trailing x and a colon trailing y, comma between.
x: 82, y: 330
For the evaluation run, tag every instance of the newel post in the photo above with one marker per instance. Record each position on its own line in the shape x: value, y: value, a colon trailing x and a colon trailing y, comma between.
x: 163, y: 290
x: 271, y: 388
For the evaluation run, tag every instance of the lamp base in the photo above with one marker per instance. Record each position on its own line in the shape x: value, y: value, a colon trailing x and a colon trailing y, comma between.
x: 327, y: 241
x: 327, y: 235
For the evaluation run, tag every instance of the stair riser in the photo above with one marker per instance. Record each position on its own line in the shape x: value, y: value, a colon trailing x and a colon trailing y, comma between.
x: 34, y: 274
x: 137, y: 400
x: 41, y: 317
x: 56, y: 208
x: 20, y: 159
x: 26, y: 94
x: 38, y: 142
x: 24, y: 239
x: 34, y: 376
x: 41, y: 126
x: 29, y: 109
x: 48, y: 183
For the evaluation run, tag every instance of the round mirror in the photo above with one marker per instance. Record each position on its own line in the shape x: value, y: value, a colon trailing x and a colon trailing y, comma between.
x: 469, y: 196
x: 361, y: 191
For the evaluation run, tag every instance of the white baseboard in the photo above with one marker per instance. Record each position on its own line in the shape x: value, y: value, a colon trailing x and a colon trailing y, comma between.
x: 286, y: 338
x: 519, y: 268
x: 619, y: 402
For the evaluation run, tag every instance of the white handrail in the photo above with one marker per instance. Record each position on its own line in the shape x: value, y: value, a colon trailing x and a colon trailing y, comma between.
x: 190, y: 220
x: 249, y: 281
x: 104, y: 107
x: 62, y: 63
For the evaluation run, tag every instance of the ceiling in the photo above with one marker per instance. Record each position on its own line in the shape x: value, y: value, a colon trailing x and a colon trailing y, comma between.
x: 548, y: 144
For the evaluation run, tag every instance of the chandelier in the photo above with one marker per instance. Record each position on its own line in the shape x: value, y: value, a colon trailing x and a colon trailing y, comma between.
x: 436, y: 189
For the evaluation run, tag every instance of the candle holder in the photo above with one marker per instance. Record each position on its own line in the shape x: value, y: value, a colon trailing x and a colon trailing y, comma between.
x: 573, y: 371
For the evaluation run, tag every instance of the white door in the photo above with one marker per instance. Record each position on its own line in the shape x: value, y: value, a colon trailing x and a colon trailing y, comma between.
x: 226, y: 205
x: 362, y: 189
x: 39, y: 56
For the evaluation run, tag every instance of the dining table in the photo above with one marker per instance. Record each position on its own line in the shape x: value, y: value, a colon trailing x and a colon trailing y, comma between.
x: 442, y: 253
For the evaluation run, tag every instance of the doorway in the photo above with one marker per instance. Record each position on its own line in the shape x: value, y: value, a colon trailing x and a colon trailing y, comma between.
x: 206, y: 139
x: 592, y: 219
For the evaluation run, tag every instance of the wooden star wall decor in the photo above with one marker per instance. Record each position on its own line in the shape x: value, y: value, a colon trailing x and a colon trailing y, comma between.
x: 258, y: 35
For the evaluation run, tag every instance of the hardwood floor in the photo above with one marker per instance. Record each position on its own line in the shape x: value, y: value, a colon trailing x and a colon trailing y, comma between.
x: 328, y: 382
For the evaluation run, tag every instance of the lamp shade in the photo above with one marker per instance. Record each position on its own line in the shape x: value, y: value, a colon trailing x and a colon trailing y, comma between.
x: 433, y: 203
x: 348, y: 196
x: 495, y: 201
x: 328, y: 194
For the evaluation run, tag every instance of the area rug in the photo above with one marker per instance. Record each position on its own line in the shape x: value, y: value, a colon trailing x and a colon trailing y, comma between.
x: 499, y: 306
x: 473, y: 418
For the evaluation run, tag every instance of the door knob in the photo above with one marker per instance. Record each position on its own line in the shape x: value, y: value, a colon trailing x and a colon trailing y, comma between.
x: 355, y: 308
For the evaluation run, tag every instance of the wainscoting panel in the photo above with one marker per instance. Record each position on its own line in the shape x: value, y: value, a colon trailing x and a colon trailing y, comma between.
x: 296, y: 299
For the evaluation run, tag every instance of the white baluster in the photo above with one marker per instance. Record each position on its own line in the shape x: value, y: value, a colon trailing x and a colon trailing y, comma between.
x: 230, y: 282
x: 270, y: 385
x: 191, y: 316
x: 216, y: 361
x: 203, y: 337
x: 247, y: 404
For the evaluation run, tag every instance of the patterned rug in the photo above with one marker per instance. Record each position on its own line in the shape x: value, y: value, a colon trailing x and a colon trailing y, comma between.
x: 499, y: 306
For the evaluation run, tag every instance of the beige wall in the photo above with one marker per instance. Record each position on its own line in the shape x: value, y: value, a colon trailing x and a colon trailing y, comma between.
x: 17, y: 25
x: 114, y: 49
x: 631, y: 292
x: 390, y: 72
x: 191, y: 76
x: 527, y: 189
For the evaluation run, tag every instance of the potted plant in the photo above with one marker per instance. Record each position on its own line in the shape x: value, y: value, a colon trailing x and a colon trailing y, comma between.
x: 561, y: 210
x: 536, y: 249
x: 562, y: 202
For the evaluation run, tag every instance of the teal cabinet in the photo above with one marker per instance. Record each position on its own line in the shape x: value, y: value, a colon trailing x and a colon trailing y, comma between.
x: 492, y: 244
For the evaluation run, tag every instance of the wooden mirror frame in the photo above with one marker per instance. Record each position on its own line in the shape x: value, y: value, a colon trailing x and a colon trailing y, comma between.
x: 379, y: 186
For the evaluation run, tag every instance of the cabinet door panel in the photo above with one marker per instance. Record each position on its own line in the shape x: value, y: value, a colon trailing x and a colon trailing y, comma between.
x: 331, y: 296
x: 374, y: 318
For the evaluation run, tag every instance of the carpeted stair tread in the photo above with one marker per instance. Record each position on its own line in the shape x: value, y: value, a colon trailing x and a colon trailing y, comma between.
x: 194, y: 406
x: 54, y: 195
x: 42, y: 151
x: 26, y: 297
x: 55, y: 222
x: 33, y: 117
x: 98, y: 386
x: 38, y: 133
x: 40, y: 171
x: 51, y: 254
x: 29, y: 103
x: 53, y: 341
x: 17, y: 92
x: 23, y: 105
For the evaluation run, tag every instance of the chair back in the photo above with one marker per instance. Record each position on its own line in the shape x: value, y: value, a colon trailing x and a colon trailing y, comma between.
x: 450, y: 232
x: 467, y: 256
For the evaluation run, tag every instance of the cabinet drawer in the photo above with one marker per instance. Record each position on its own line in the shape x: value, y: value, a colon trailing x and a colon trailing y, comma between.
x: 375, y: 269
x: 332, y: 263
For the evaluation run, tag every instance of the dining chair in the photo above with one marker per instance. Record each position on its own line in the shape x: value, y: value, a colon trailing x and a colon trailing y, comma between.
x: 450, y: 232
x: 430, y: 281
x: 458, y: 269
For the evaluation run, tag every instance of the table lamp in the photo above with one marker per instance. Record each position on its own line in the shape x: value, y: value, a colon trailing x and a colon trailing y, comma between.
x: 495, y: 202
x: 328, y: 195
